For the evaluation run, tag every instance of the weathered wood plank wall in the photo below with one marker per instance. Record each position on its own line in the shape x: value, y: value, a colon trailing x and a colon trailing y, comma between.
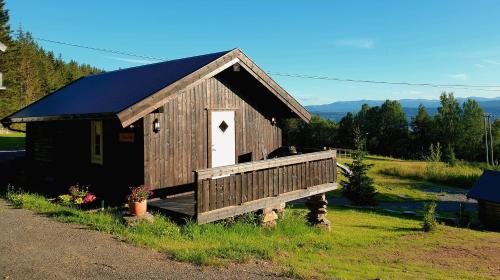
x: 181, y: 145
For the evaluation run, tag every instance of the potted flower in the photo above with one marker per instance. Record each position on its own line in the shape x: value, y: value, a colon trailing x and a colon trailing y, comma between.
x: 138, y: 199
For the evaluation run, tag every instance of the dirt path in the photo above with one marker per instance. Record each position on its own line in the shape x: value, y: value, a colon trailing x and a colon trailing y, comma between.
x: 35, y: 247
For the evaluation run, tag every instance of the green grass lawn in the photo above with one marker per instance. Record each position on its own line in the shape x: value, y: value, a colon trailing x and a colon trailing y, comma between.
x: 12, y: 141
x: 361, y: 245
x: 404, y: 180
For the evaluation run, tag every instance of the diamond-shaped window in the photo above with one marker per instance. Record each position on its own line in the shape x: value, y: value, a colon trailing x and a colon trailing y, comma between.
x: 223, y: 126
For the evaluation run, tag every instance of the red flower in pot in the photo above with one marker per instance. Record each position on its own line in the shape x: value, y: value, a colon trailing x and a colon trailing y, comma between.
x: 138, y: 199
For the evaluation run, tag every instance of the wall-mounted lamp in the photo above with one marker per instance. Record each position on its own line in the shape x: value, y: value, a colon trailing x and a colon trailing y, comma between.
x: 156, y: 126
x: 236, y: 67
x: 273, y: 121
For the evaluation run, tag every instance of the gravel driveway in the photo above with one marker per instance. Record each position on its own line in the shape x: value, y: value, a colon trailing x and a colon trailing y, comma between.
x: 35, y: 247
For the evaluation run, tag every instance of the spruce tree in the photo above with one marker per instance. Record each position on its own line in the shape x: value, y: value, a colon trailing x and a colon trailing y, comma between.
x: 359, y: 187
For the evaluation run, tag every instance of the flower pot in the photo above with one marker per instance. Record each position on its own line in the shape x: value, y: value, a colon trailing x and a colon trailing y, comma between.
x: 138, y: 208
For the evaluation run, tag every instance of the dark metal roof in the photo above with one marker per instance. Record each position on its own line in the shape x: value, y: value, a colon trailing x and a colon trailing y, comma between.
x: 487, y: 187
x: 112, y: 92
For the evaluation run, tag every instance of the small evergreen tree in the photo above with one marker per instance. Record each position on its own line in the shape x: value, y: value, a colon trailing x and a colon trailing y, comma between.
x: 429, y: 222
x: 449, y: 155
x: 359, y: 187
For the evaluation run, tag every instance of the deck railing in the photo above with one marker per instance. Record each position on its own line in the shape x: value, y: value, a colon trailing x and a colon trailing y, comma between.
x: 239, y: 184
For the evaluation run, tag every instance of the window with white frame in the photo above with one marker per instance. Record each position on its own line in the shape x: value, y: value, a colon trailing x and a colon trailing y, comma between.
x: 96, y: 142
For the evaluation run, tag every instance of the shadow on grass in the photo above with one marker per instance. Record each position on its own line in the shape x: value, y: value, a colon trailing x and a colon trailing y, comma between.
x: 385, y: 228
x: 60, y: 214
x: 375, y: 211
x: 395, y: 198
x: 375, y: 158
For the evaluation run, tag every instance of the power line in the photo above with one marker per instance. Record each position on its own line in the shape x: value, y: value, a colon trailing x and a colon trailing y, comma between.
x: 461, y: 86
x: 95, y: 48
x: 292, y: 75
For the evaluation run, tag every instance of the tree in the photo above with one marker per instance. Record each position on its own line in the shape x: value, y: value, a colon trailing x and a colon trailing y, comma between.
x: 346, y: 132
x: 359, y: 187
x: 470, y: 141
x: 391, y: 129
x: 318, y: 133
x: 4, y: 24
x: 448, y: 119
x: 421, y: 132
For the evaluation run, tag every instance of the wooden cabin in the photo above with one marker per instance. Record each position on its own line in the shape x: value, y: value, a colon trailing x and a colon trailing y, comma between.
x: 486, y: 191
x: 207, y: 126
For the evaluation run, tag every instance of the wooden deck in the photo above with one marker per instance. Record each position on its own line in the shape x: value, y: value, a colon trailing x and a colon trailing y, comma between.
x: 228, y: 191
x: 182, y: 206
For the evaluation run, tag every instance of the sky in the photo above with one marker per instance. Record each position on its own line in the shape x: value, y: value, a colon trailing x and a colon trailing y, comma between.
x: 443, y: 42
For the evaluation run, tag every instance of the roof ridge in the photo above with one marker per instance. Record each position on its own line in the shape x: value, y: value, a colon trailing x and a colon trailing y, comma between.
x: 156, y: 63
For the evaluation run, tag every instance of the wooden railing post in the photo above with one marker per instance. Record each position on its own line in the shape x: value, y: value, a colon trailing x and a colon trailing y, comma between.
x: 198, y: 194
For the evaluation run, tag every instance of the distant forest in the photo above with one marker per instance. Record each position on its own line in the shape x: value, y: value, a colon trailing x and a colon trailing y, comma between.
x: 29, y: 72
x: 458, y: 128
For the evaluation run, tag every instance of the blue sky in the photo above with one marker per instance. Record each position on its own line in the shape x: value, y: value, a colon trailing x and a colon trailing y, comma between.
x: 444, y: 42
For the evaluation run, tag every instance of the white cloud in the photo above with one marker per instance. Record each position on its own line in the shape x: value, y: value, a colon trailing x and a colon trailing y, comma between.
x: 361, y: 43
x: 131, y: 60
x: 490, y: 61
x: 460, y: 76
x: 479, y: 65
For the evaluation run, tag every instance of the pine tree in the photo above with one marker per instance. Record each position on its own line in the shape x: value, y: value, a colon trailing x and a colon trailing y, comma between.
x: 359, y: 187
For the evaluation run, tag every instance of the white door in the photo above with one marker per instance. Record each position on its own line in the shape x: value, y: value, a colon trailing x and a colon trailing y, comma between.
x: 223, y: 138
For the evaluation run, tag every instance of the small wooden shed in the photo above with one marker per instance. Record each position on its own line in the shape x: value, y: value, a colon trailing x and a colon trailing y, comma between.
x: 486, y: 191
x: 205, y: 125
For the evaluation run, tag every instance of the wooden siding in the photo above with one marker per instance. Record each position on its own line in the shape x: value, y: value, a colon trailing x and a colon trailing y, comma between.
x: 247, y: 182
x: 181, y: 145
x: 489, y: 214
x: 59, y: 154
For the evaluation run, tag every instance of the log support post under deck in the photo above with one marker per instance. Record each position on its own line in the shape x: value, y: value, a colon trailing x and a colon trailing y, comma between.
x: 269, y: 217
x: 317, y: 211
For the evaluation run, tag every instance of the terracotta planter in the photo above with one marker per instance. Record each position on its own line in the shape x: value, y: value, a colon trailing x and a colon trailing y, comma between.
x: 138, y: 208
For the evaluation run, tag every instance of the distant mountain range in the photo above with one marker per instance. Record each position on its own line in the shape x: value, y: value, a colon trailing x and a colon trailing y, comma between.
x: 337, y: 110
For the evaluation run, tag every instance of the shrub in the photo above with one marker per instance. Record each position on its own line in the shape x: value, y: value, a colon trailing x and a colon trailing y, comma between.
x: 434, y: 153
x: 429, y: 222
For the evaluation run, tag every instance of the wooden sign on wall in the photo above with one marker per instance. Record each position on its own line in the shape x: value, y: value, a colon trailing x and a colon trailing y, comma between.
x: 126, y: 137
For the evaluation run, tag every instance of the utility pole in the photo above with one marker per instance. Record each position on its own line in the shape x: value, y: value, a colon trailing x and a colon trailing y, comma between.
x: 486, y: 139
x: 491, y: 139
x: 3, y: 48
